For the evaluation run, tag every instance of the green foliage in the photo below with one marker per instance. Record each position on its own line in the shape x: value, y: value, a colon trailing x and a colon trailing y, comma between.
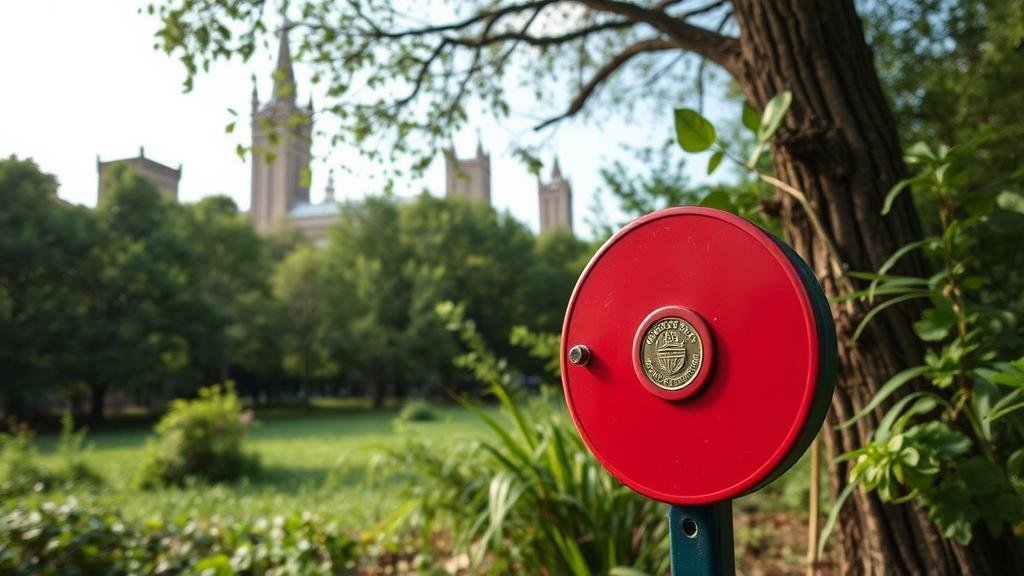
x: 43, y: 243
x: 953, y: 71
x: 416, y: 411
x: 74, y: 458
x: 54, y: 537
x: 22, y: 470
x: 771, y: 120
x: 531, y: 495
x: 389, y: 264
x: 694, y: 133
x: 951, y: 443
x: 201, y: 439
x: 298, y: 291
x: 197, y: 296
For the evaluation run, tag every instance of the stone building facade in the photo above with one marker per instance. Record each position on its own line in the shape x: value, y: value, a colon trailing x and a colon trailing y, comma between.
x: 281, y: 153
x: 163, y: 177
x: 468, y: 178
x: 281, y: 142
x: 555, y: 200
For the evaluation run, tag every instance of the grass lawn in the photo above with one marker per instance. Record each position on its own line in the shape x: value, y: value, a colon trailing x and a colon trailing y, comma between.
x: 317, y: 459
x: 312, y: 459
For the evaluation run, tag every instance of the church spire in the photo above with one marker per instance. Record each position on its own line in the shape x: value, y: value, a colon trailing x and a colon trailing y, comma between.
x: 329, y: 191
x: 255, y: 98
x: 556, y: 171
x: 284, y: 77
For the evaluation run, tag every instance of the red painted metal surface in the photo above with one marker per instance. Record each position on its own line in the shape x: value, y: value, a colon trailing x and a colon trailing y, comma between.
x: 752, y: 410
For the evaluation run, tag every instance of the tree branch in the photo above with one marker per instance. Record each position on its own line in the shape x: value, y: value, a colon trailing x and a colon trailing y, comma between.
x: 490, y: 16
x: 605, y: 71
x: 521, y: 36
x: 718, y: 48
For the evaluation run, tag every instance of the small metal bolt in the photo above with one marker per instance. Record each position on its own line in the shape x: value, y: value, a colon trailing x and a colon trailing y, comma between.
x: 579, y: 355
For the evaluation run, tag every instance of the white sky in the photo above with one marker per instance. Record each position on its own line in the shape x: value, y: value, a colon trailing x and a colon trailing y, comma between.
x: 82, y: 80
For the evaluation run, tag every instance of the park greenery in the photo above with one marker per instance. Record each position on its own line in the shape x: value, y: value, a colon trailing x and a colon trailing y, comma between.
x: 908, y: 203
x: 148, y: 300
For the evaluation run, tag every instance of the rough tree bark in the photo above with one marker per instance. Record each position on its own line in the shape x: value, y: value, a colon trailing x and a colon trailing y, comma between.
x: 840, y: 146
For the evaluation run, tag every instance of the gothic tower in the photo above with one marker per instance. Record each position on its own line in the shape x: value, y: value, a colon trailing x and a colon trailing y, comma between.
x: 469, y: 178
x: 280, y: 147
x: 555, y: 201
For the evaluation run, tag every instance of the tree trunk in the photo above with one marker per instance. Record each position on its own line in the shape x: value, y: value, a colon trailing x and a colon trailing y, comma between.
x: 97, y: 402
x: 839, y: 145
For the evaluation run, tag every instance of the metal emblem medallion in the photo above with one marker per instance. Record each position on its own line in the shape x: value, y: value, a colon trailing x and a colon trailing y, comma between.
x: 672, y: 353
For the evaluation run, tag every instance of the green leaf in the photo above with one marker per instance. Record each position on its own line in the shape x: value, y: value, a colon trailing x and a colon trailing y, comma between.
x: 719, y: 200
x: 1011, y: 201
x: 890, y: 386
x: 903, y: 251
x: 1009, y: 404
x: 626, y: 571
x: 917, y: 152
x: 881, y: 307
x: 894, y: 412
x: 833, y: 515
x: 935, y: 323
x: 714, y: 161
x: 219, y: 565
x: 774, y: 112
x: 984, y: 398
x: 693, y: 131
x: 751, y: 119
x: 894, y: 192
x: 755, y: 155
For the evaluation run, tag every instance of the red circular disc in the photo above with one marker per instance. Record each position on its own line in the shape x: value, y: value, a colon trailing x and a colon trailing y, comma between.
x: 755, y: 403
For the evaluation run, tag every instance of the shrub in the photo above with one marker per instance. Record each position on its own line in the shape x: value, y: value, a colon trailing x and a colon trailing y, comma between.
x: 532, y: 496
x: 202, y: 439
x: 54, y: 537
x: 73, y: 465
x: 20, y: 469
x: 416, y: 411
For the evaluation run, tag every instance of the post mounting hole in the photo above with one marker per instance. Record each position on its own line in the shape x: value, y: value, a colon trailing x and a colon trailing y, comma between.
x: 689, y: 526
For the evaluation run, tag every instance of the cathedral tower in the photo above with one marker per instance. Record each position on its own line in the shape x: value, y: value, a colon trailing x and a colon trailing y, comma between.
x: 281, y: 143
x: 469, y: 178
x: 555, y: 201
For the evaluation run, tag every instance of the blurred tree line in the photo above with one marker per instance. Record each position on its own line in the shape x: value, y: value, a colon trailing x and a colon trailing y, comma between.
x: 147, y: 299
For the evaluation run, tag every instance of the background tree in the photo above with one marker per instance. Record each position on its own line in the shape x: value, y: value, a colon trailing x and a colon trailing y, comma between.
x: 953, y: 70
x: 144, y: 324
x: 366, y: 300
x: 298, y: 290
x: 232, y: 270
x: 558, y: 259
x: 44, y: 241
x: 839, y: 145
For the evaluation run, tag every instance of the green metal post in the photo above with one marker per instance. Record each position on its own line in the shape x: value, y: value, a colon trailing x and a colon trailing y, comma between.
x: 700, y: 540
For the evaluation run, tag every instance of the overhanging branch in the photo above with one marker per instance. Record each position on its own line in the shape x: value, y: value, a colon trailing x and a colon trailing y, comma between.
x: 718, y: 48
x: 605, y: 72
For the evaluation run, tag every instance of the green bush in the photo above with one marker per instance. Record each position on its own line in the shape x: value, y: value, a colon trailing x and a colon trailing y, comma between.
x: 73, y: 456
x: 20, y: 469
x: 53, y: 538
x: 201, y: 439
x: 416, y: 411
x: 952, y: 437
x: 530, y: 496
